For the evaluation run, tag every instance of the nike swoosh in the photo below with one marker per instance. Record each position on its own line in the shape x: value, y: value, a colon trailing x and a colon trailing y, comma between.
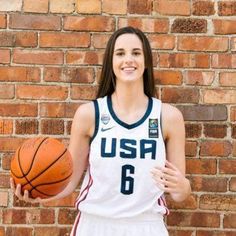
x: 105, y: 129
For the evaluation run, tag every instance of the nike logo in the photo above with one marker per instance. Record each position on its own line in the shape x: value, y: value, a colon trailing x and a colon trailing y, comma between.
x: 105, y: 129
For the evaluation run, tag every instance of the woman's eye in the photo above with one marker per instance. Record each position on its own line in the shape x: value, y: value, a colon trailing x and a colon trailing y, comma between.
x: 119, y: 54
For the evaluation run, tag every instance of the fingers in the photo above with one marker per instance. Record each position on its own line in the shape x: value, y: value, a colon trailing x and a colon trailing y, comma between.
x: 16, y: 189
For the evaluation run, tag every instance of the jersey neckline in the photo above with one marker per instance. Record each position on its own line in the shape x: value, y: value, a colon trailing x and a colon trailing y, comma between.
x: 122, y: 123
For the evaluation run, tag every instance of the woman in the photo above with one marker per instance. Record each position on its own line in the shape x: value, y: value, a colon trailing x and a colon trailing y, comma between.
x: 131, y: 144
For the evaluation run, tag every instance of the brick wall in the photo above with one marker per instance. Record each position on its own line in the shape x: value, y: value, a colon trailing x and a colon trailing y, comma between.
x: 50, y: 58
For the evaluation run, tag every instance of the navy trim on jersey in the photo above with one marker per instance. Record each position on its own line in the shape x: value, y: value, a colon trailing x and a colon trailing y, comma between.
x: 129, y: 126
x: 95, y: 102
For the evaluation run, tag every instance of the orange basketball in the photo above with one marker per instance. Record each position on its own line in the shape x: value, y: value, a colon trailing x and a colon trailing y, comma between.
x: 43, y: 166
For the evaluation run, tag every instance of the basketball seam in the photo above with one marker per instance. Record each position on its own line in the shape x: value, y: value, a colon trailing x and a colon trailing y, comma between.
x: 35, y: 187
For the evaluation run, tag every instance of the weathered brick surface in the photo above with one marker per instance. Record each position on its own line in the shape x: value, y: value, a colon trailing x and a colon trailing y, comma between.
x: 51, y: 53
x: 189, y: 26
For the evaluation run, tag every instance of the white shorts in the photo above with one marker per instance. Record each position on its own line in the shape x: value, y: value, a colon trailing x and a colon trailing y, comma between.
x: 90, y: 225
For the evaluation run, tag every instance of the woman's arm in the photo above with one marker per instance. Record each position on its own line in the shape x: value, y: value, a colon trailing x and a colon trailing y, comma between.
x: 81, y: 131
x: 172, y: 178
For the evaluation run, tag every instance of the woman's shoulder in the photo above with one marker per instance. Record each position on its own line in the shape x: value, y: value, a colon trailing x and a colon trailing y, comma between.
x: 171, y: 113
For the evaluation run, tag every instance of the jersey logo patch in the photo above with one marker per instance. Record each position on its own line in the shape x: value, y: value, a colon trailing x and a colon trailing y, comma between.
x: 105, y: 118
x: 153, y: 128
x: 105, y: 129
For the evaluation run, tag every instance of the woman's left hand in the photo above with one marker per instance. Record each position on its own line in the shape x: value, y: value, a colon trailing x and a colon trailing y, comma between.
x: 171, y: 180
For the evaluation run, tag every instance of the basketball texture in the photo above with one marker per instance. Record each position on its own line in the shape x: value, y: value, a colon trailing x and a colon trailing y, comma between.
x: 43, y: 166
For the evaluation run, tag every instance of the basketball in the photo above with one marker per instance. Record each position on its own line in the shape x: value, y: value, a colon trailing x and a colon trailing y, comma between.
x: 43, y: 166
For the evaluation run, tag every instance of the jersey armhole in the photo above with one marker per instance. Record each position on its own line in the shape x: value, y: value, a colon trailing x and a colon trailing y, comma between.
x: 161, y: 126
x: 96, y: 109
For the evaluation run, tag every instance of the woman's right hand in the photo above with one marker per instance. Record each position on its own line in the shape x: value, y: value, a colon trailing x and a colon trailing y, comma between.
x: 16, y: 189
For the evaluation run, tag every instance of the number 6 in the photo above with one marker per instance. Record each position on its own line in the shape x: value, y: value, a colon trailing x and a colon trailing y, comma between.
x: 127, y: 182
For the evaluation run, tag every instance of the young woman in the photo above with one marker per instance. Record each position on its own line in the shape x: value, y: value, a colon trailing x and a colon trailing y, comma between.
x: 131, y: 144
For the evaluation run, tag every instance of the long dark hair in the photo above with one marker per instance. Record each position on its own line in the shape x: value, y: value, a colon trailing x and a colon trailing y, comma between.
x: 107, y: 80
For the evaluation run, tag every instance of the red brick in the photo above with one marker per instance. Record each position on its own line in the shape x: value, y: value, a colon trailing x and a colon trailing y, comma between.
x: 9, y: 145
x: 189, y: 203
x: 204, y: 112
x: 3, y: 199
x: 169, y: 7
x: 215, y: 131
x: 3, y: 21
x: 203, y: 43
x: 52, y: 230
x: 140, y: 7
x: 194, y: 219
x: 57, y: 110
x: 84, y: 57
x: 89, y: 6
x: 67, y: 40
x: 26, y: 127
x: 6, y: 160
x: 227, y: 79
x: 6, y: 126
x: 229, y: 220
x: 167, y: 77
x: 40, y: 216
x: 224, y: 26
x: 19, y: 231
x: 215, y: 233
x: 157, y: 25
x: 67, y: 216
x: 13, y: 216
x: 69, y: 74
x: 227, y: 8
x: 224, y: 61
x: 227, y: 166
x: 193, y: 130
x: 40, y: 6
x: 208, y: 184
x: 234, y: 148
x: 114, y: 7
x: 184, y: 60
x: 191, y: 148
x: 164, y: 42
x: 232, y: 184
x: 5, y: 56
x: 233, y: 131
x: 18, y: 109
x: 219, y: 96
x: 68, y: 201
x: 4, y: 179
x: 48, y: 92
x: 13, y: 5
x: 35, y: 22
x: 37, y: 57
x: 58, y: 6
x: 52, y: 127
x: 179, y: 232
x: 201, y: 166
x: 83, y: 92
x: 180, y: 95
x: 203, y: 8
x: 199, y: 77
x: 19, y: 74
x: 7, y: 91
x: 89, y: 23
x: 233, y: 44
x: 215, y: 148
x: 218, y: 202
x: 100, y: 40
x: 189, y: 26
x: 233, y: 114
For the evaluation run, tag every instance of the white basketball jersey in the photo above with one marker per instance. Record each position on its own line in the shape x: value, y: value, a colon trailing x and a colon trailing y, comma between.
x: 118, y: 182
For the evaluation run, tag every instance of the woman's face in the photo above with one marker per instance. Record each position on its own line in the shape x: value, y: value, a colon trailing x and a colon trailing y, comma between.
x: 128, y: 58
